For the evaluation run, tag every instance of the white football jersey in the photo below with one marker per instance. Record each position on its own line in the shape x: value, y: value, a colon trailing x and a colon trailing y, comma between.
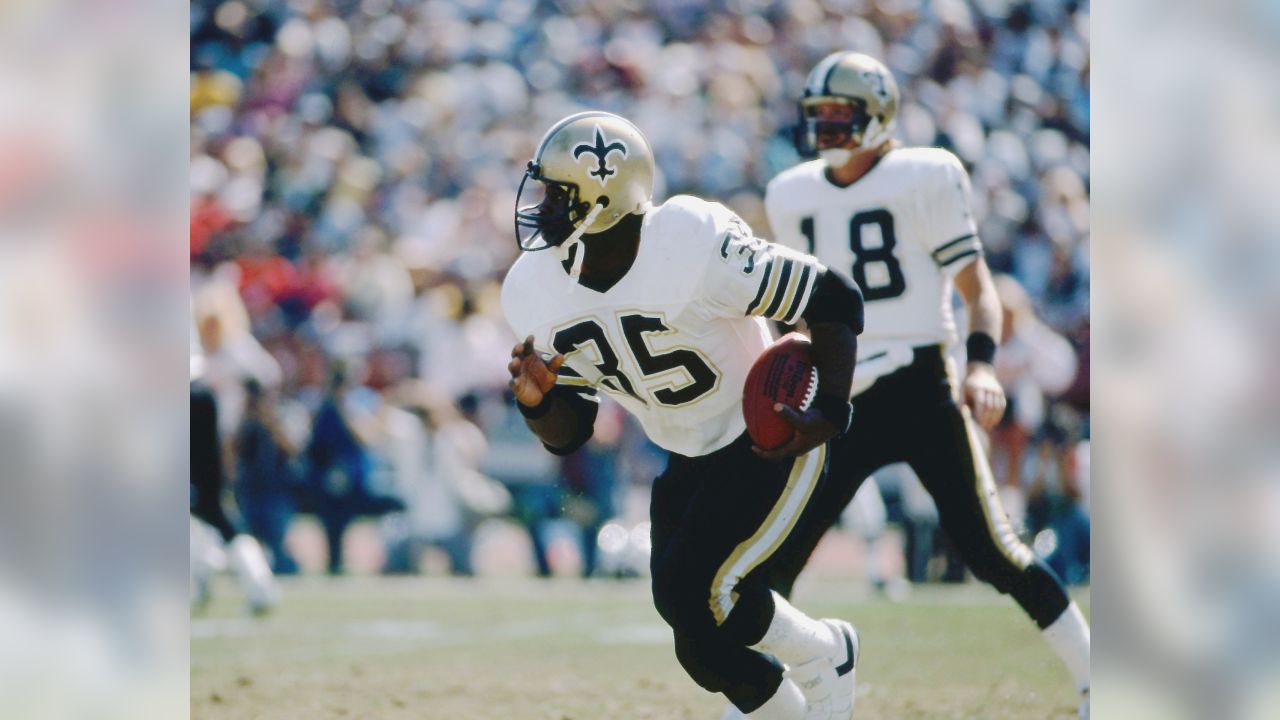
x: 900, y: 232
x: 674, y: 339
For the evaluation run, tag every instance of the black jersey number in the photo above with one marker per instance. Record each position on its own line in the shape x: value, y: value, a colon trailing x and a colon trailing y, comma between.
x: 891, y: 283
x: 586, y: 332
x: 703, y: 379
x: 895, y: 284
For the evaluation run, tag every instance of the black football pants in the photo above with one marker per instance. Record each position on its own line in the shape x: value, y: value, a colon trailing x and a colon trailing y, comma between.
x: 718, y: 522
x: 910, y: 416
x: 207, y: 474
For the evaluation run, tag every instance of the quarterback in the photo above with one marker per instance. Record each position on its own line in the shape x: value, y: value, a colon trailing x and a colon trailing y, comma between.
x: 897, y: 221
x: 664, y: 308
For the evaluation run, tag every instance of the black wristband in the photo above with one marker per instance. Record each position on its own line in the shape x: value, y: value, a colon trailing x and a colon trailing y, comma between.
x: 537, y: 411
x: 981, y: 347
x: 836, y: 411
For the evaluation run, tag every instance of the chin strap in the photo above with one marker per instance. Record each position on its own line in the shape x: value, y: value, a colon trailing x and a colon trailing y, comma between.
x: 565, y: 248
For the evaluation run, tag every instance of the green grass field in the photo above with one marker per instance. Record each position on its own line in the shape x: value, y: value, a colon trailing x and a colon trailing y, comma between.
x: 516, y: 649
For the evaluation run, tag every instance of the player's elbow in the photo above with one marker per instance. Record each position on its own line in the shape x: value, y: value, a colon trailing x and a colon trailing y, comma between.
x: 835, y: 300
x: 575, y: 441
x: 574, y: 426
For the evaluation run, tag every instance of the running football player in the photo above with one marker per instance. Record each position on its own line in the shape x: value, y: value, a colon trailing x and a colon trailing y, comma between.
x: 664, y: 308
x: 898, y: 222
x: 243, y: 552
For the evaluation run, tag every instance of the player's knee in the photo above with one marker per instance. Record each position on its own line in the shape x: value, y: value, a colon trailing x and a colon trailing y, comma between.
x: 1034, y: 586
x: 701, y: 664
x: 718, y: 669
x: 676, y: 598
x: 1041, y: 593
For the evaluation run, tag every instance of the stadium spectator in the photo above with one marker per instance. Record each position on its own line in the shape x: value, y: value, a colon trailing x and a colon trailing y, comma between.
x: 435, y: 454
x: 215, y: 540
x: 265, y: 477
x: 1035, y: 364
x: 338, y: 463
x: 1057, y: 507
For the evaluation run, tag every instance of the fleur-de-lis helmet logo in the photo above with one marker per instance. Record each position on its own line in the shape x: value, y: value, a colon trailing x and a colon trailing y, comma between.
x: 601, y: 150
x: 876, y: 81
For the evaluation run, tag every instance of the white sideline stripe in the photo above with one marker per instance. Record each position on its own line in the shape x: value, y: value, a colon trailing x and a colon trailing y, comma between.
x: 651, y: 634
x: 432, y: 632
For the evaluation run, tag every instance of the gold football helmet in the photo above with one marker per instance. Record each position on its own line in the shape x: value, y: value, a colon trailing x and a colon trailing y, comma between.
x: 862, y: 84
x: 593, y: 169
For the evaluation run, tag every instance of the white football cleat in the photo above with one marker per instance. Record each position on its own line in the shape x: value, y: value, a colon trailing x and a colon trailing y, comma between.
x: 828, y: 682
x: 207, y: 558
x: 250, y: 564
x: 846, y: 666
x: 816, y: 680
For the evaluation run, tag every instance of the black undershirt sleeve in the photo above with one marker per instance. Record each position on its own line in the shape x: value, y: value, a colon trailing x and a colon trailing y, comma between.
x: 584, y: 408
x: 835, y: 299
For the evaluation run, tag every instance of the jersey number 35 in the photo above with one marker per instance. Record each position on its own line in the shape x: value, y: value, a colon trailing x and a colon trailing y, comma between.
x: 702, y: 379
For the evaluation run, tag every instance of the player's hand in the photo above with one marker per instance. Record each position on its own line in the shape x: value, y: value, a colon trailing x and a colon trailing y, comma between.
x: 531, y: 377
x: 983, y: 394
x: 812, y: 429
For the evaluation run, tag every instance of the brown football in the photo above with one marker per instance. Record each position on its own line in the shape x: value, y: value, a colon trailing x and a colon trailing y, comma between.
x: 783, y: 374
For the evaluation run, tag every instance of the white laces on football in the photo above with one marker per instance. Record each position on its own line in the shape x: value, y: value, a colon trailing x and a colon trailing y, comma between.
x: 566, y: 247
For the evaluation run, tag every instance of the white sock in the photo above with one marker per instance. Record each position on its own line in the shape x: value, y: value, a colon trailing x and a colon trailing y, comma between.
x: 207, y: 553
x: 793, y: 637
x: 786, y: 704
x: 1069, y: 638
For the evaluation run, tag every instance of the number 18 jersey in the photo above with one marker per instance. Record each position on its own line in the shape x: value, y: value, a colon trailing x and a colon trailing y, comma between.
x: 901, y: 232
x: 673, y: 340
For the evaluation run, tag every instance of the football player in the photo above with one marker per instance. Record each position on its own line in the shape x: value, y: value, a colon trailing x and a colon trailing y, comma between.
x: 664, y: 308
x: 207, y: 481
x: 897, y: 221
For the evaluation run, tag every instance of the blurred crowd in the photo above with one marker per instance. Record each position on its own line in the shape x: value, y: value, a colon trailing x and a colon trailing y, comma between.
x: 353, y: 175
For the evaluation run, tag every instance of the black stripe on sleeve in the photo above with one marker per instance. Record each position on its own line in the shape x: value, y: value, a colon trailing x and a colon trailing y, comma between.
x: 764, y: 283
x: 957, y: 241
x: 965, y: 254
x: 781, y: 290
x: 801, y: 287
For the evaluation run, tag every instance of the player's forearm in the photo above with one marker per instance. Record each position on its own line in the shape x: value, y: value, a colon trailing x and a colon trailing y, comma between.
x: 563, y: 423
x: 557, y: 426
x: 834, y: 316
x: 978, y: 291
x: 835, y: 350
x: 985, y: 315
